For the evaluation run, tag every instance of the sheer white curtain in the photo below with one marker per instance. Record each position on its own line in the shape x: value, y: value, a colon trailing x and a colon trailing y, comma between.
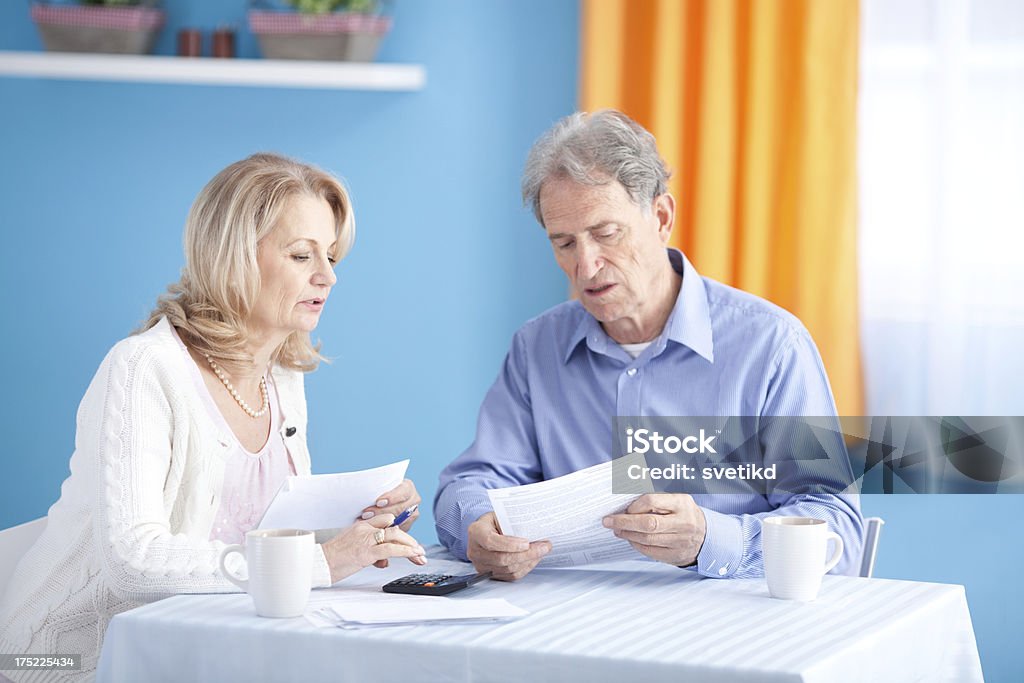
x: 942, y: 206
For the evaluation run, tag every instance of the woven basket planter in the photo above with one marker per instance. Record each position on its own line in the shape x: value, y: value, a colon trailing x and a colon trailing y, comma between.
x: 122, y: 30
x: 345, y: 36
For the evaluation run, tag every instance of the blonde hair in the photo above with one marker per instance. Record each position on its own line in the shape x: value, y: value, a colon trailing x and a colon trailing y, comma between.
x: 211, y: 303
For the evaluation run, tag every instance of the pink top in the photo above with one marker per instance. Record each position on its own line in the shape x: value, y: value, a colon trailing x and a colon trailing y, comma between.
x: 251, y: 480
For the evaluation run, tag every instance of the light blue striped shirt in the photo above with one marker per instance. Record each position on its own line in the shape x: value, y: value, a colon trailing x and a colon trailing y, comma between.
x: 723, y: 352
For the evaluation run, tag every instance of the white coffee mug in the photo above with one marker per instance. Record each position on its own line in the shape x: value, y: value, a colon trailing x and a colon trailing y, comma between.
x: 794, y: 555
x: 280, y: 563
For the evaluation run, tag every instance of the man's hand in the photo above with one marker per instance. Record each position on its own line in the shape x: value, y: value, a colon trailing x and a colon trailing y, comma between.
x: 508, y: 558
x: 668, y: 527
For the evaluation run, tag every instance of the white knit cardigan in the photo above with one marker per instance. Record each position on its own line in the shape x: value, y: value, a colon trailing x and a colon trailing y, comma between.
x: 133, y: 521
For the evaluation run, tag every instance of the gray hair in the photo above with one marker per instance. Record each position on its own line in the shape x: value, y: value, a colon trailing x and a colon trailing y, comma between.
x: 594, y: 149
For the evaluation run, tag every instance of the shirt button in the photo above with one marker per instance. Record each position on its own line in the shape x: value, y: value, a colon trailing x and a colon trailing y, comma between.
x: 723, y: 571
x: 631, y: 372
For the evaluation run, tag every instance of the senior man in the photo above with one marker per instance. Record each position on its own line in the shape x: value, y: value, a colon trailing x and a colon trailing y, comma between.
x: 647, y: 335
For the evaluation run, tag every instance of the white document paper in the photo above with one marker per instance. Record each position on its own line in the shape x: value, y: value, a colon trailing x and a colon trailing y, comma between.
x: 567, y: 511
x: 362, y: 609
x: 330, y: 501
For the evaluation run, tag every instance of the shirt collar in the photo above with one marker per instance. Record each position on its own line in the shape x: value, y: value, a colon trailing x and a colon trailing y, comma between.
x: 688, y: 324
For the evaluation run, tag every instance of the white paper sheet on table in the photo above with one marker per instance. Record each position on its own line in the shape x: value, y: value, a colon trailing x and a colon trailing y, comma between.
x: 567, y: 511
x: 361, y: 609
x: 330, y: 501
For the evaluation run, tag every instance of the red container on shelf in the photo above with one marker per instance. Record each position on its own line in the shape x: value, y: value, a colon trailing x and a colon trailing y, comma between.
x: 224, y: 42
x: 190, y: 42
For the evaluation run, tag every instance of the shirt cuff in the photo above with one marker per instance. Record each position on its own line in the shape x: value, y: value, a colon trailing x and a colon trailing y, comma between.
x: 458, y: 505
x: 321, y: 570
x: 722, y: 552
x: 470, y: 512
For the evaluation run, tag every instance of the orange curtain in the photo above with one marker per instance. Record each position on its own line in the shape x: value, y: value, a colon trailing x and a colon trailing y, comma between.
x: 753, y: 104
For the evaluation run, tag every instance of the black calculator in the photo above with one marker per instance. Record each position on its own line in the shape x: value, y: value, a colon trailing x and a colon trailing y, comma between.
x: 433, y: 584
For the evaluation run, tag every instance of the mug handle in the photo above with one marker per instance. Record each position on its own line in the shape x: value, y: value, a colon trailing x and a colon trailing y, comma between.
x: 241, y: 583
x: 836, y: 554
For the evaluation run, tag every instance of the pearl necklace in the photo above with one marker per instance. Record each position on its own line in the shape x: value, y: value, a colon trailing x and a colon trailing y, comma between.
x: 242, y: 403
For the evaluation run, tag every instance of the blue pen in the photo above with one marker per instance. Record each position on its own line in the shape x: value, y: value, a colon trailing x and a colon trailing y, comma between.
x: 401, y: 518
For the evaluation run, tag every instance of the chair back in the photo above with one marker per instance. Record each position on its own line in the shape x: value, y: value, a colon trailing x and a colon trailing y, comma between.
x: 867, y: 559
x: 14, y: 543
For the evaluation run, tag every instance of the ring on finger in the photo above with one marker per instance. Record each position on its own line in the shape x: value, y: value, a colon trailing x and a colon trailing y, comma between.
x: 378, y: 536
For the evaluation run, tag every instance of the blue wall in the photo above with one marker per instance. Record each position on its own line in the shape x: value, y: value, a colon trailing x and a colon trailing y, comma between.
x: 973, y: 540
x: 97, y: 179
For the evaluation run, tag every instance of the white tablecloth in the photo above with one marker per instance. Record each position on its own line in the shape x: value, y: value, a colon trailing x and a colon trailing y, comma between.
x: 628, y: 621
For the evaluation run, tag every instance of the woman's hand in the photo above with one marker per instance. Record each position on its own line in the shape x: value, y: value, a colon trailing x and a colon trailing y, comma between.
x: 395, y: 502
x: 357, y: 547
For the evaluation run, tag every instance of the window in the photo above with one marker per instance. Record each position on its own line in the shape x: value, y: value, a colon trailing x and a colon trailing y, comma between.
x: 942, y: 206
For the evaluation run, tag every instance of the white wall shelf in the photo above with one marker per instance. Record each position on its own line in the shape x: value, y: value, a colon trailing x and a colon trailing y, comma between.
x: 267, y: 73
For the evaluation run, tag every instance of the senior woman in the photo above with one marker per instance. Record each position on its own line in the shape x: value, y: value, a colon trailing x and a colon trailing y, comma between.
x: 191, y: 424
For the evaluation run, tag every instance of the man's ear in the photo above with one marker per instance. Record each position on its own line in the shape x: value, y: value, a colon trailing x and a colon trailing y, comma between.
x: 664, y: 208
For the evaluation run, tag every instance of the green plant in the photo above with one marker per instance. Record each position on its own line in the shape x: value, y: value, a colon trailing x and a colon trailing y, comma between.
x: 325, y: 6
